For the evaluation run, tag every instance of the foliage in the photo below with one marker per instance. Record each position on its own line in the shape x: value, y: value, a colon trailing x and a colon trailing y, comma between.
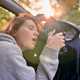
x: 5, y: 16
x: 74, y: 16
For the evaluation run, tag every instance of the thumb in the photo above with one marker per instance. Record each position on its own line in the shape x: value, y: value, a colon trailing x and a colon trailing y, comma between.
x: 52, y: 32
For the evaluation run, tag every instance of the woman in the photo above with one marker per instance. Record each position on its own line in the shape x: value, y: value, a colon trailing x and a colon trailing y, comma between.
x: 22, y: 33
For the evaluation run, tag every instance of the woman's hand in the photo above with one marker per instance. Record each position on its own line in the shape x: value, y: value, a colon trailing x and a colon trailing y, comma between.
x: 55, y: 40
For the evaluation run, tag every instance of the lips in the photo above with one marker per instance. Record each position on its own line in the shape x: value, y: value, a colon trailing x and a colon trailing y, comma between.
x: 35, y: 38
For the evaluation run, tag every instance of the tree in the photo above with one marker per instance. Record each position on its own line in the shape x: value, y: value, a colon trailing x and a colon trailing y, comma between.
x: 5, y: 16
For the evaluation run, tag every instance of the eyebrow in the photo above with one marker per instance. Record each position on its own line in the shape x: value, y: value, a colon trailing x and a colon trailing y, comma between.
x: 29, y: 24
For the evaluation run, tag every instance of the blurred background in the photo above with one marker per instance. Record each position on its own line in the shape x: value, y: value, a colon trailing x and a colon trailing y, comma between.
x: 34, y: 6
x: 70, y: 10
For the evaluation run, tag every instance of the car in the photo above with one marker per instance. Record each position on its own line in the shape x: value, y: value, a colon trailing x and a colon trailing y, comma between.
x: 69, y: 56
x: 12, y: 6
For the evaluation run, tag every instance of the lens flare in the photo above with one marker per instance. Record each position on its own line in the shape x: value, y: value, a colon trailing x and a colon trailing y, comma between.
x: 47, y: 9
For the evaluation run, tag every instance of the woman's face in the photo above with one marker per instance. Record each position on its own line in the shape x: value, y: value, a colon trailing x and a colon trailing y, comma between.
x: 27, y: 35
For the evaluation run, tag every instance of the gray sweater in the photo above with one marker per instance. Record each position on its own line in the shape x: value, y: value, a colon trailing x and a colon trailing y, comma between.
x: 13, y: 66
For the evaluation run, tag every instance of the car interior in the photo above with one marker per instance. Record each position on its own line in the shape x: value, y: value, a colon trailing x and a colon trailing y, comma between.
x: 69, y: 56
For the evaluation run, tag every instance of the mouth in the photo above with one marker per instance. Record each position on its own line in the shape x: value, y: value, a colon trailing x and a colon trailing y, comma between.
x: 35, y: 39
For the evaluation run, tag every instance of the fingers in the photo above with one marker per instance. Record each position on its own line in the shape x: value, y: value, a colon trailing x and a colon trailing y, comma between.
x: 52, y: 32
x: 60, y: 35
x: 56, y: 40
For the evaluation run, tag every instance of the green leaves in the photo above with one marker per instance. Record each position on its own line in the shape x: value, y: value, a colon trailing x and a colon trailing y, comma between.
x: 74, y: 16
x: 5, y: 16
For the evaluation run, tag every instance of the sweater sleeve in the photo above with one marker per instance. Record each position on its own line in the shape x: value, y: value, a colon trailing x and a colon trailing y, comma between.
x: 13, y: 64
x: 48, y: 64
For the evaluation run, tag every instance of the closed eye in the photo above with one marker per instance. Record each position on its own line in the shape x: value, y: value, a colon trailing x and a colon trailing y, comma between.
x: 31, y: 27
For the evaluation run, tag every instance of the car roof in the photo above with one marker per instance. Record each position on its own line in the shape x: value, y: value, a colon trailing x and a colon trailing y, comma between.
x: 12, y: 6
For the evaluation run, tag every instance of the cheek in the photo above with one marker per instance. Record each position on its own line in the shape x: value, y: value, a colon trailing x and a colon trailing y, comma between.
x: 27, y: 35
x: 27, y: 39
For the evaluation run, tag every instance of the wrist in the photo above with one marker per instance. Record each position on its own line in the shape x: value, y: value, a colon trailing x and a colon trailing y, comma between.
x: 51, y: 47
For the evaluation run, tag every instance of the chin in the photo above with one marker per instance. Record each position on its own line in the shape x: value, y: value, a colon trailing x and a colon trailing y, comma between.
x: 30, y: 47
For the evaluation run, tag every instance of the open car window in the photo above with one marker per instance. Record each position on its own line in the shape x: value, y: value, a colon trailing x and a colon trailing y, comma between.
x: 22, y: 3
x: 5, y: 16
x: 26, y: 5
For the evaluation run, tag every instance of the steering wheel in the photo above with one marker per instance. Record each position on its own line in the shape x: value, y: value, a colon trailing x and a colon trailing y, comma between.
x: 69, y: 30
x: 68, y: 54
